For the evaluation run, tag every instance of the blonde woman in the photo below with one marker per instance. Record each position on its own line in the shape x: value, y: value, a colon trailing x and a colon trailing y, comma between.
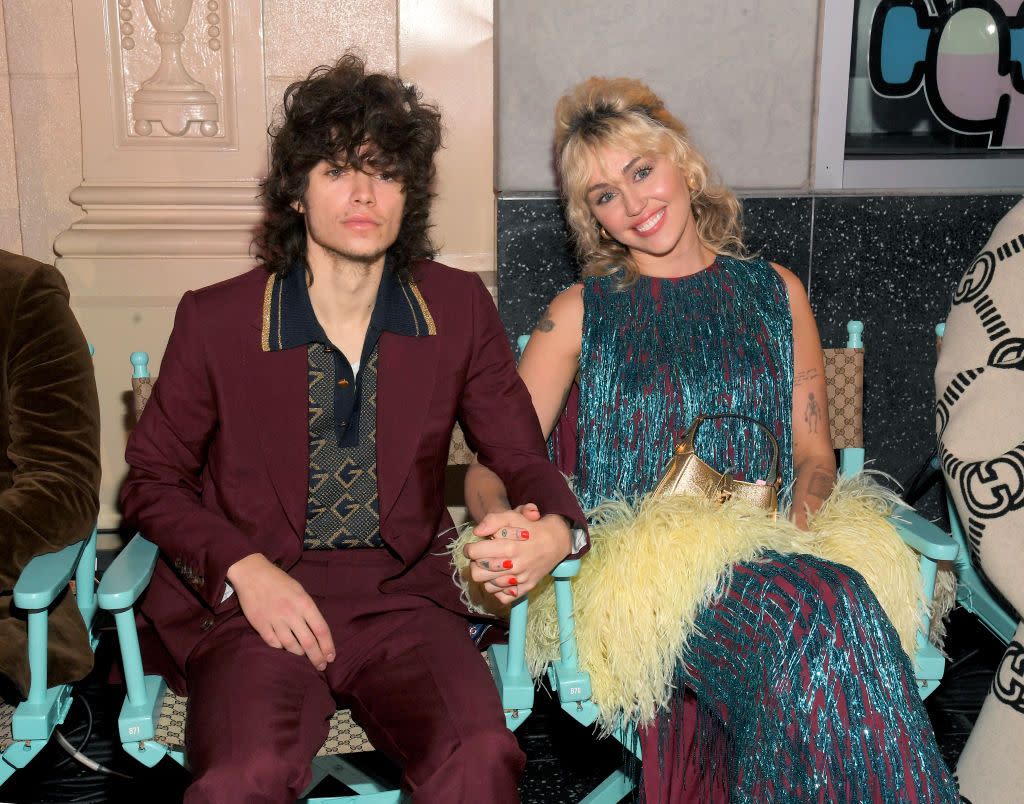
x: 793, y: 685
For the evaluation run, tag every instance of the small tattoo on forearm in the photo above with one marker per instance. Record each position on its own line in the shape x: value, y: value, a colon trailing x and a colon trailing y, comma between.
x: 820, y: 484
x: 812, y: 414
x: 545, y: 324
x: 805, y: 376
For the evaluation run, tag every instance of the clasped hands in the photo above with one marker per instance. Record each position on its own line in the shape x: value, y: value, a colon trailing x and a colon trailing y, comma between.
x: 518, y: 549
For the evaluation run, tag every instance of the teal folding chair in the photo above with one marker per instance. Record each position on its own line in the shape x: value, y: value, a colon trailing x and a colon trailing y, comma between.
x: 844, y: 378
x: 27, y: 728
x: 151, y: 724
x: 973, y: 591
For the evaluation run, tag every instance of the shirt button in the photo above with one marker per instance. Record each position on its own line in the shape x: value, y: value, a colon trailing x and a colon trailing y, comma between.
x: 206, y: 624
x: 343, y: 423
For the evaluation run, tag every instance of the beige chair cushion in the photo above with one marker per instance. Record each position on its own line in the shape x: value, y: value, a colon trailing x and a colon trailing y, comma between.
x: 6, y: 725
x: 844, y: 379
x: 345, y: 737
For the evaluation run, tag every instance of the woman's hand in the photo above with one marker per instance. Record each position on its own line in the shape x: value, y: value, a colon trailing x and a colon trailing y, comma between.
x: 520, y: 547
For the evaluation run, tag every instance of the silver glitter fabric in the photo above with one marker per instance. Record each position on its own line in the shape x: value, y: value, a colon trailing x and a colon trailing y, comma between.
x: 660, y: 352
x: 803, y: 693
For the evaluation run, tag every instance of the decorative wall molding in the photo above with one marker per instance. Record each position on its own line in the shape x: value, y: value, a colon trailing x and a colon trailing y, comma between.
x: 172, y: 70
x: 148, y: 221
x: 171, y: 96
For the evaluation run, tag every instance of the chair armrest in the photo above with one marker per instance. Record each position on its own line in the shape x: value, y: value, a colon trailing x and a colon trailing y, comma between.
x: 569, y: 568
x: 128, y: 575
x: 45, y: 577
x: 923, y: 536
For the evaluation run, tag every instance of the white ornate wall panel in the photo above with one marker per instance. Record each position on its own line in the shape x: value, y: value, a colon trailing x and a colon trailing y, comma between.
x: 10, y: 223
x: 173, y: 147
x: 175, y: 70
x: 220, y: 76
x: 45, y: 130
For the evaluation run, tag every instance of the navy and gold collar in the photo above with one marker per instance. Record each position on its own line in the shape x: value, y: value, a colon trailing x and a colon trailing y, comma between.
x: 289, y: 321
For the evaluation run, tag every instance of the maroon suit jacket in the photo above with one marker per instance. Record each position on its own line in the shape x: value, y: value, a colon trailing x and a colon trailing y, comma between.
x: 219, y: 460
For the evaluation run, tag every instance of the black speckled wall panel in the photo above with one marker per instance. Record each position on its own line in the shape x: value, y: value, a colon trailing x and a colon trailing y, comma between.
x: 535, y: 259
x: 779, y: 229
x: 892, y: 262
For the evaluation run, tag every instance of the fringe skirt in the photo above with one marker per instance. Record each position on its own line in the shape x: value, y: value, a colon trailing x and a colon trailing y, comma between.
x: 758, y: 662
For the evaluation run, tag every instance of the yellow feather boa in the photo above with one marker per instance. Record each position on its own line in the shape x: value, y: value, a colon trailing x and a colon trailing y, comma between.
x: 653, y: 567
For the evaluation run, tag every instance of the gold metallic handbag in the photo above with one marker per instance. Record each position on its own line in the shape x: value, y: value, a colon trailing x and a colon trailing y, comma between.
x: 688, y: 474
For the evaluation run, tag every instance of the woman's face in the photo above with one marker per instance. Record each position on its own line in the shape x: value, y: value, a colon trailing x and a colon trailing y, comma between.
x: 642, y: 202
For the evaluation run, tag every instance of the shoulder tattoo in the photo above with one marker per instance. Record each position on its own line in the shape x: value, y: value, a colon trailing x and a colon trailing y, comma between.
x: 546, y: 324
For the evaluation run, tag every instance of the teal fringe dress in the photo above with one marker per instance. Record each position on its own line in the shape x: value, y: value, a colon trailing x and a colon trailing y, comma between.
x: 795, y: 687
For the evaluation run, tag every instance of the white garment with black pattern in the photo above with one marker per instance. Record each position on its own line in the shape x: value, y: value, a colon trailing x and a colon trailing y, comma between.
x: 980, y: 420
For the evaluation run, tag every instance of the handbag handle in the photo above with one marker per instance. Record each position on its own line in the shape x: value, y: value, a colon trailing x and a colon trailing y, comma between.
x: 691, y: 433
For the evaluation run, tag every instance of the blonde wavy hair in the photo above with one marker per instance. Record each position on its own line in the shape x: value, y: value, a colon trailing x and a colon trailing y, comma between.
x: 625, y: 113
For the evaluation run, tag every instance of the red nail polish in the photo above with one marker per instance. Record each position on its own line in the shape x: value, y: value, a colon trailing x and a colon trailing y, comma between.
x: 524, y: 534
x: 513, y: 592
x: 506, y: 564
x: 512, y: 580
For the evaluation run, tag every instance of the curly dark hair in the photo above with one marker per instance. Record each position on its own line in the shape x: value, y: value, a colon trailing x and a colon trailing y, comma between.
x: 334, y: 114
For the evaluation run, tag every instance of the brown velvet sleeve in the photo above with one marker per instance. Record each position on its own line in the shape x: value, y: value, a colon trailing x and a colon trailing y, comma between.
x: 54, y: 424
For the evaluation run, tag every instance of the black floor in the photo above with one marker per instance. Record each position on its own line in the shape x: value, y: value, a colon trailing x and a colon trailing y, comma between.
x: 564, y: 761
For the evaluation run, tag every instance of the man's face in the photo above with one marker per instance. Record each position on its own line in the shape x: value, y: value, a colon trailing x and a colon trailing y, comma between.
x: 352, y: 214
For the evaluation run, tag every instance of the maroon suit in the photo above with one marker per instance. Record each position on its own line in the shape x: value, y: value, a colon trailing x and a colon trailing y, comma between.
x: 219, y: 470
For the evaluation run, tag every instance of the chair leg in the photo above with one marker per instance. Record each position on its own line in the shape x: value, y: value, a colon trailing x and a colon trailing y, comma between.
x: 18, y: 755
x: 366, y: 789
x: 612, y: 790
x: 362, y: 783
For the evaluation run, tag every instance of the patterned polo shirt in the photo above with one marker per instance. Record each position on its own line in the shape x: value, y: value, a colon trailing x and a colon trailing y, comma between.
x: 341, y: 507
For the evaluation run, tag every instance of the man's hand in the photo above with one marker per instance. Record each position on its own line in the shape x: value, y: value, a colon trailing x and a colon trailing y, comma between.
x: 280, y: 610
x: 520, y: 547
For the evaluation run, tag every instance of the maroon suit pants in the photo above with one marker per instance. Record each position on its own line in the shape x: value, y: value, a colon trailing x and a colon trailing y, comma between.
x: 405, y: 667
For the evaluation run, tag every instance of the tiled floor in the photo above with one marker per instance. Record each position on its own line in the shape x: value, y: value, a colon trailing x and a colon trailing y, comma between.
x: 564, y: 760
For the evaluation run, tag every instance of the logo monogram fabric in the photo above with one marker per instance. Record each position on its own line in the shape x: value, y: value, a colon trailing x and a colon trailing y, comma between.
x: 1008, y: 683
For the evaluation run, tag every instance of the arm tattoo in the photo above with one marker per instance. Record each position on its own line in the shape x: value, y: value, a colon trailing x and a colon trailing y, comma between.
x: 807, y: 375
x: 812, y: 414
x: 820, y: 484
x: 545, y: 324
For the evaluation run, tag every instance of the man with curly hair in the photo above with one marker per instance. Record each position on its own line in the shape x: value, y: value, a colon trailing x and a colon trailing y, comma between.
x: 290, y: 466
